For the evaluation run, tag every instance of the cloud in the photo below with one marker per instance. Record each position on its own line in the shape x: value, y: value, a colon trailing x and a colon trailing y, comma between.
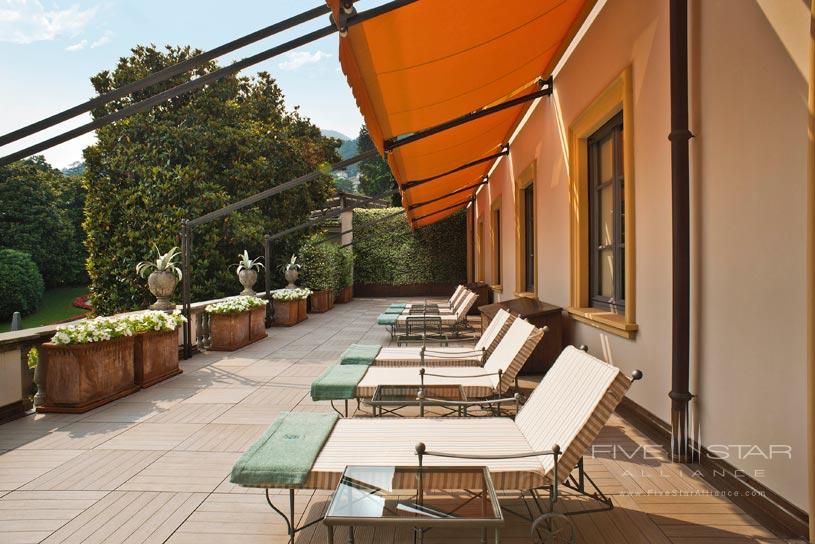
x: 77, y: 46
x: 103, y: 39
x: 298, y: 59
x: 27, y: 21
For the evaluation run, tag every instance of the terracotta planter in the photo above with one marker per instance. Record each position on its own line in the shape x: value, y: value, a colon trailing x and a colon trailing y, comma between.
x: 322, y: 301
x: 344, y: 295
x: 155, y: 357
x: 81, y: 377
x: 302, y: 311
x: 257, y: 324
x: 229, y: 332
x: 286, y: 313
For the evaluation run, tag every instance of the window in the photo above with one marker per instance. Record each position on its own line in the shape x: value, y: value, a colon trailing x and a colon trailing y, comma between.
x: 479, y: 276
x: 606, y: 217
x: 495, y: 236
x: 525, y: 261
x: 529, y: 238
x: 601, y: 207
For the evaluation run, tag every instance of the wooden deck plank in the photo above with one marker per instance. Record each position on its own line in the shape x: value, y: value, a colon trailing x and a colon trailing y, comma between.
x: 95, y: 470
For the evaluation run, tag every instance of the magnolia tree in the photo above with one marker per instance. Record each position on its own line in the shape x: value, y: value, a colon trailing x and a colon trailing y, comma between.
x: 186, y: 157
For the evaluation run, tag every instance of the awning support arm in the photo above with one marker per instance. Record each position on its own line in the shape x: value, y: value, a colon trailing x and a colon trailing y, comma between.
x: 411, y: 184
x: 397, y: 141
x: 483, y: 181
x: 454, y: 206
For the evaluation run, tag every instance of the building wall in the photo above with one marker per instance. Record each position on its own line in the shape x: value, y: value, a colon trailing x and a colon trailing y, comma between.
x: 748, y: 215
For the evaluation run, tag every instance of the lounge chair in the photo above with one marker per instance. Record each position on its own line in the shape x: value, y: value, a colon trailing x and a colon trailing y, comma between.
x: 446, y: 305
x: 430, y: 321
x: 537, y: 450
x: 431, y: 356
x: 498, y: 375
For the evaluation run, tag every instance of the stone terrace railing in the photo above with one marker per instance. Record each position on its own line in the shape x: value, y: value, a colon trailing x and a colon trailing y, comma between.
x: 16, y: 379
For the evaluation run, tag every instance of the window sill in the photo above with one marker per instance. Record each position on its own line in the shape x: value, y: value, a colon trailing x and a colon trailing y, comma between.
x: 526, y: 294
x: 497, y: 288
x: 605, y: 320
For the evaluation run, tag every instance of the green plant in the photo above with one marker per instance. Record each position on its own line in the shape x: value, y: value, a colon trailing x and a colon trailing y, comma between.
x: 21, y: 285
x: 191, y: 156
x: 346, y: 266
x: 33, y: 358
x: 319, y: 257
x: 291, y: 294
x: 237, y: 304
x: 246, y: 263
x: 165, y: 262
x: 388, y: 252
x: 293, y: 264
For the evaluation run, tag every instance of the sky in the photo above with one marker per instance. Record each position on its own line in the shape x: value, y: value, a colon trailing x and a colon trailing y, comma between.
x: 49, y: 49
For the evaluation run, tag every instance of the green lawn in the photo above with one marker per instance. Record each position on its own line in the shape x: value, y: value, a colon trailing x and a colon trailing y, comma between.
x: 55, y: 306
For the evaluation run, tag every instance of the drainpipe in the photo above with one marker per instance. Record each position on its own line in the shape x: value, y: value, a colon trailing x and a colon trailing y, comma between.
x: 680, y: 195
x: 810, y: 239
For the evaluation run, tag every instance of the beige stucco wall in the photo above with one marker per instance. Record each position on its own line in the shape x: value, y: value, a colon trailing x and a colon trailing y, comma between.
x: 748, y: 216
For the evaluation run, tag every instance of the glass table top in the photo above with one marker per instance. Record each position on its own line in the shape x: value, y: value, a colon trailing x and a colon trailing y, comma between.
x: 422, y: 496
x: 409, y: 393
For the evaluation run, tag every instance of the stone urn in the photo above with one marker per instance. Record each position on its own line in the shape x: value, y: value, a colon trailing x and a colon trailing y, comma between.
x: 162, y: 284
x: 248, y: 277
x: 291, y: 276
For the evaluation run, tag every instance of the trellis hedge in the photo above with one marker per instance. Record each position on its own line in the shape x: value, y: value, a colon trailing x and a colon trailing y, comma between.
x: 388, y: 252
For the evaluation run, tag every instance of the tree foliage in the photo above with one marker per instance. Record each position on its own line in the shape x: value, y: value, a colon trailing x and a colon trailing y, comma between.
x: 188, y: 156
x: 21, y: 285
x: 374, y: 174
x: 41, y: 214
x: 389, y: 252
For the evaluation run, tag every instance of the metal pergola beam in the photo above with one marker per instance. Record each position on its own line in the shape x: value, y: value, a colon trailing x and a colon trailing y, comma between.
x: 164, y: 74
x: 411, y: 184
x: 291, y: 184
x: 397, y: 141
x: 483, y: 181
x: 200, y: 82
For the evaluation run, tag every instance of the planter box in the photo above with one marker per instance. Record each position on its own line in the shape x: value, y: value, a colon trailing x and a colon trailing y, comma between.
x: 155, y: 357
x: 81, y: 377
x: 257, y: 324
x: 322, y: 301
x: 302, y: 310
x: 229, y: 332
x: 344, y: 295
x: 286, y: 312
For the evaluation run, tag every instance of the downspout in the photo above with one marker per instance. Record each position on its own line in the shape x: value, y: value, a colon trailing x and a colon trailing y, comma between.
x: 680, y: 195
x: 810, y: 240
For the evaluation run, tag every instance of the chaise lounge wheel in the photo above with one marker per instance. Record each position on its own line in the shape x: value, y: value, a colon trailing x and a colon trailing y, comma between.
x: 553, y: 528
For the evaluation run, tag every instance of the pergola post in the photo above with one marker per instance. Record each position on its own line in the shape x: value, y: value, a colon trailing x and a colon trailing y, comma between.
x: 267, y: 277
x: 186, y: 233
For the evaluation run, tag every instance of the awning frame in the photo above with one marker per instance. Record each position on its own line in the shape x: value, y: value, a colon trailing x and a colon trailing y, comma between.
x: 411, y: 184
x: 484, y: 181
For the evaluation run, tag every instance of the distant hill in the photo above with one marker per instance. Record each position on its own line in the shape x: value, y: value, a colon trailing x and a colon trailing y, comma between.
x: 74, y: 169
x: 347, y: 150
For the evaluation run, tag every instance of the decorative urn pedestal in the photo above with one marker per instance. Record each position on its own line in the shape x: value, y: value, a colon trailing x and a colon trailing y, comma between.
x: 248, y: 278
x: 80, y: 377
x: 162, y: 284
x: 322, y: 301
x: 236, y: 330
x: 155, y: 357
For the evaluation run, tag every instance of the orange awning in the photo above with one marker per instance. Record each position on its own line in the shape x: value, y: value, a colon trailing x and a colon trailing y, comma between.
x: 429, y: 62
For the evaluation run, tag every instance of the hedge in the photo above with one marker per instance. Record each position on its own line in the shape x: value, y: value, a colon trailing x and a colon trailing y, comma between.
x: 21, y: 285
x: 321, y: 263
x: 391, y: 253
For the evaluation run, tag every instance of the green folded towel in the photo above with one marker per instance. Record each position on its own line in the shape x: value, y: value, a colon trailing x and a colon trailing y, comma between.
x: 387, y: 319
x: 285, y: 453
x: 394, y: 310
x: 359, y: 354
x: 397, y: 306
x: 338, y: 382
